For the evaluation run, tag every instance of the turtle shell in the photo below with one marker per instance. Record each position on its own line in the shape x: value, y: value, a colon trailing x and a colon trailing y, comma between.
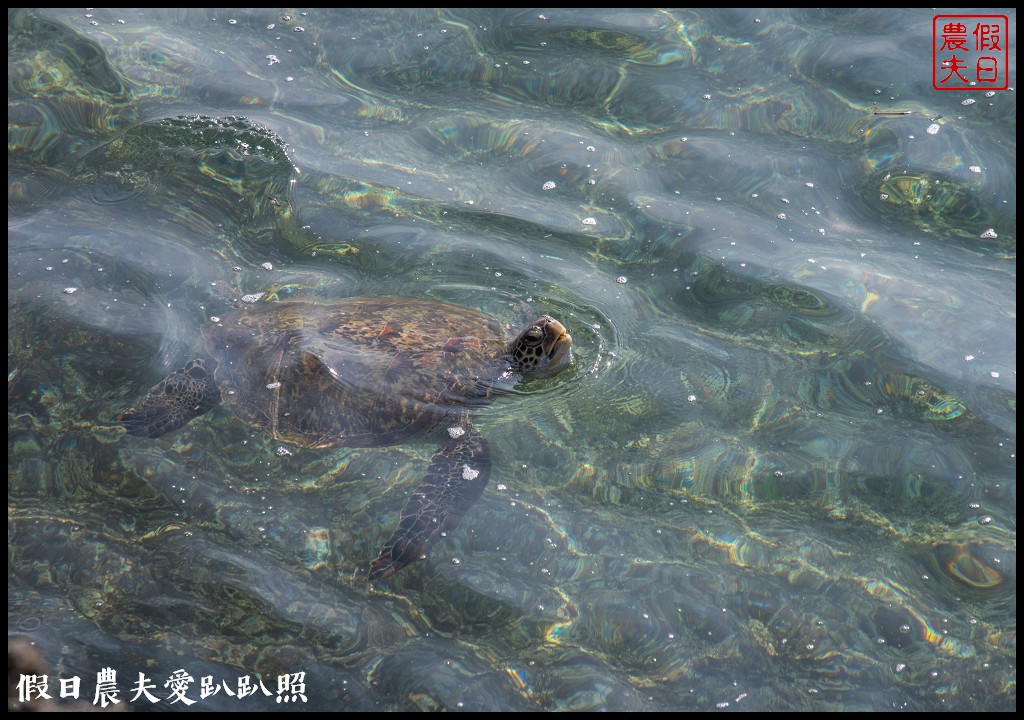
x: 357, y: 372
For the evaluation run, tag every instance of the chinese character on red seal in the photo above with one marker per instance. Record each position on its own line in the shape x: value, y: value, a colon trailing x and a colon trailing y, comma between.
x: 970, y: 52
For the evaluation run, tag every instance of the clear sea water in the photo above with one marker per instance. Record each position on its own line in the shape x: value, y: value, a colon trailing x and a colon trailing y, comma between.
x: 780, y: 475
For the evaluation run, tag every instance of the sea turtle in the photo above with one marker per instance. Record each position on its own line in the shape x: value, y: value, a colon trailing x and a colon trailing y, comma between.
x: 363, y: 372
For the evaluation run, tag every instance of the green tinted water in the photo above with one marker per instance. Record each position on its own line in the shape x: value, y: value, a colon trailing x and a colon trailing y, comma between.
x: 780, y: 474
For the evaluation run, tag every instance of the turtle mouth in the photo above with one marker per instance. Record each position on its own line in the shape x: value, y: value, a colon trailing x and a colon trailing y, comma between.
x: 561, y: 349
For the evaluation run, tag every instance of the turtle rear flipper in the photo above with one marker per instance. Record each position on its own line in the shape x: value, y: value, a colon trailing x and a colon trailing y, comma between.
x: 173, y: 402
x: 456, y: 479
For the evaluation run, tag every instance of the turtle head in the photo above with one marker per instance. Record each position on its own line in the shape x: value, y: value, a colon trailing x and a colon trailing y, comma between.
x: 545, y: 347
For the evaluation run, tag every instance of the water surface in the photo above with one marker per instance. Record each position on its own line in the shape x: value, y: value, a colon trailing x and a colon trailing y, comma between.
x: 780, y: 474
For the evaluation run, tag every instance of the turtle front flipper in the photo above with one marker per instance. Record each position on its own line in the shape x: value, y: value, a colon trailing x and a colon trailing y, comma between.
x: 456, y: 478
x: 174, y: 401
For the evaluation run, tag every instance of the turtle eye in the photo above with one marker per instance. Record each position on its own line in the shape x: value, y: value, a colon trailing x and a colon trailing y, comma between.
x: 534, y: 335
